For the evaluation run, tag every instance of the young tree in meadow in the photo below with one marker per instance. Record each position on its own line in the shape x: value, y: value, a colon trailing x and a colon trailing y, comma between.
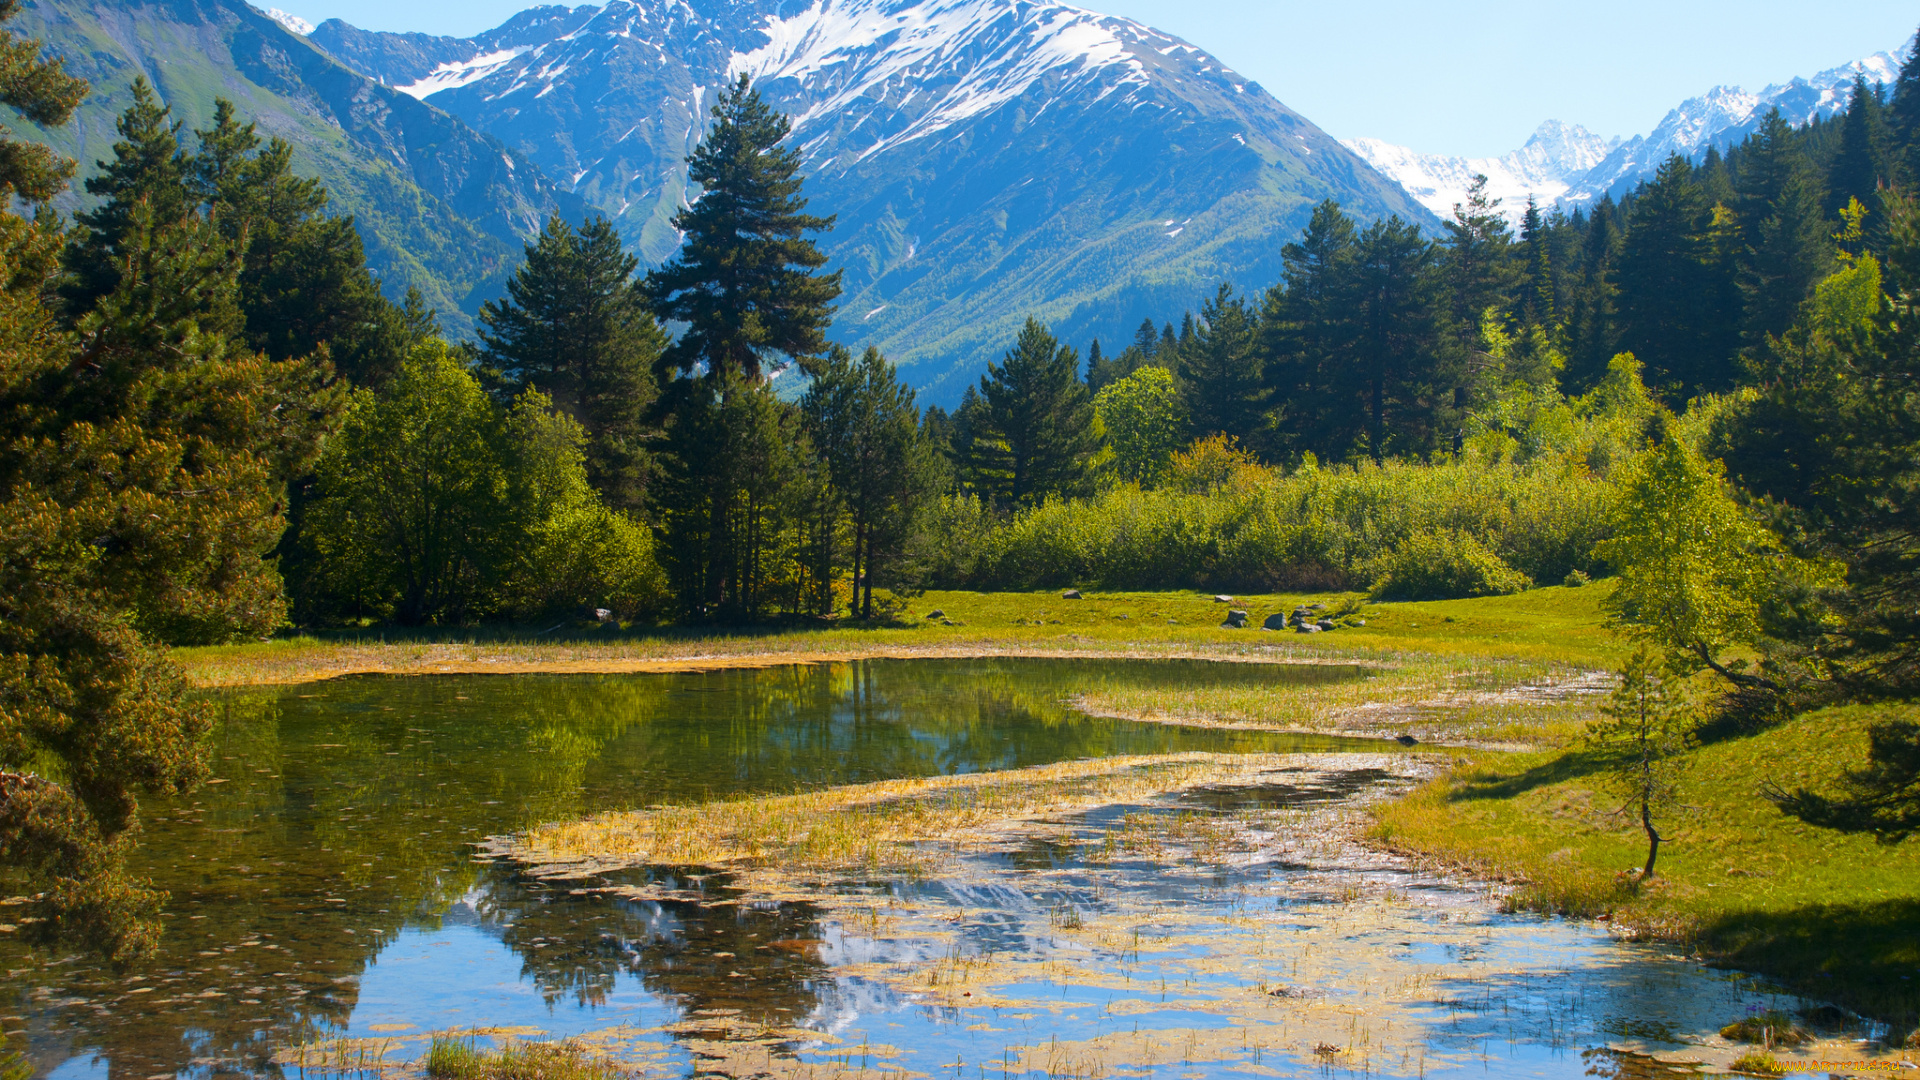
x: 1220, y: 370
x: 1145, y: 423
x: 863, y: 425
x: 1640, y: 740
x: 1034, y: 435
x: 574, y: 325
x: 745, y: 280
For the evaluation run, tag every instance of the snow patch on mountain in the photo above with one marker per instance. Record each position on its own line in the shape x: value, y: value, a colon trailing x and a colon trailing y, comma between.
x: 1556, y: 156
x: 961, y: 56
x: 293, y: 23
x: 459, y: 73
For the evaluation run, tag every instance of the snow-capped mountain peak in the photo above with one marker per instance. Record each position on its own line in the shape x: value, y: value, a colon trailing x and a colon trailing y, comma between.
x: 1557, y: 155
x: 293, y: 23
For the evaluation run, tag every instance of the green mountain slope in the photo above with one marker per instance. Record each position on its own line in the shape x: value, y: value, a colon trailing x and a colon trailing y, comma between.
x: 439, y: 206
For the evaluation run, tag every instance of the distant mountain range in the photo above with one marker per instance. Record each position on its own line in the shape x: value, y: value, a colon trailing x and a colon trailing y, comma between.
x: 1567, y: 165
x: 987, y: 159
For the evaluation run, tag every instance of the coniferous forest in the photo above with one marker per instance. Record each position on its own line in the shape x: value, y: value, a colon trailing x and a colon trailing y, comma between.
x: 217, y: 427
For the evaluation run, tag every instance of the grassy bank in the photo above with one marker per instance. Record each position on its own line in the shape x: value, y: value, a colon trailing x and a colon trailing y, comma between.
x: 1555, y: 628
x: 1830, y: 915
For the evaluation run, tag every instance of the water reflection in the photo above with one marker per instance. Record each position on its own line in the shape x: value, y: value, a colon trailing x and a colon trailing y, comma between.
x: 342, y: 814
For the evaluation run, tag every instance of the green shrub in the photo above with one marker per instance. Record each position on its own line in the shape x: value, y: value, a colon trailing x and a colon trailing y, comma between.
x: 1576, y: 578
x: 1444, y: 564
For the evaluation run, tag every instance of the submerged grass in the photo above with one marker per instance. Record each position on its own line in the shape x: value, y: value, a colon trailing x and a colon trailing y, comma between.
x: 874, y: 826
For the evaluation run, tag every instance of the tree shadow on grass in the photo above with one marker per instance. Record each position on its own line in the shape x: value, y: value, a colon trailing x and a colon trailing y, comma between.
x: 1861, y: 956
x: 580, y: 632
x: 1569, y: 765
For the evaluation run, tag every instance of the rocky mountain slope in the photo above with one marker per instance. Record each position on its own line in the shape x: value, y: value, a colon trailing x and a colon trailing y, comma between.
x: 439, y: 206
x: 1567, y: 165
x: 987, y: 159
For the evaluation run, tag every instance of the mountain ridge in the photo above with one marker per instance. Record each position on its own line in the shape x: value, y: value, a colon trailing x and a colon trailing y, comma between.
x: 987, y: 159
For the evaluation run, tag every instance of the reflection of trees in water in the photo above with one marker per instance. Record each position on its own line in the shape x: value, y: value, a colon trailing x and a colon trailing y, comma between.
x: 347, y: 809
x: 761, y: 961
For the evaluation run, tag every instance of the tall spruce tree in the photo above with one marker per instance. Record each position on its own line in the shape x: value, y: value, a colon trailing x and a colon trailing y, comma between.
x: 148, y: 169
x: 1477, y: 261
x: 744, y: 282
x: 862, y: 421
x: 574, y: 325
x: 1032, y: 431
x: 1220, y: 370
x: 1538, y: 303
x: 1677, y: 295
x: 1860, y: 165
x: 1308, y: 329
x: 1783, y: 234
x: 1408, y: 368
x: 1592, y: 333
x: 1903, y: 118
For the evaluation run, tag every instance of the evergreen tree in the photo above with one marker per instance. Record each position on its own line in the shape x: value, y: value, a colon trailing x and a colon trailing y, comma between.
x: 1677, y: 299
x: 574, y: 325
x: 1402, y: 357
x: 143, y: 476
x: 1783, y: 234
x: 1903, y: 118
x: 744, y: 281
x: 1034, y: 435
x: 1220, y: 370
x: 1538, y: 303
x: 862, y: 421
x: 46, y: 95
x: 1308, y: 329
x: 1860, y: 165
x: 304, y: 284
x: 148, y: 168
x: 1477, y: 261
x: 1592, y: 334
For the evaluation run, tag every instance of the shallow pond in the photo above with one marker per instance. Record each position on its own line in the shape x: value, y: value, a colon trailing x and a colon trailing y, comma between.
x: 324, y: 889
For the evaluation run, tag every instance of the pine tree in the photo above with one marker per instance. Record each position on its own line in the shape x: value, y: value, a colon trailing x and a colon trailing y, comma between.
x: 1035, y: 423
x: 1593, y: 336
x: 744, y: 282
x: 1220, y: 370
x: 862, y: 421
x: 1903, y: 118
x: 149, y: 168
x: 1677, y: 299
x: 1782, y: 232
x: 1403, y: 358
x: 143, y: 476
x: 46, y: 95
x: 1538, y: 304
x: 574, y: 325
x: 1477, y: 261
x: 1308, y: 330
x: 1861, y: 164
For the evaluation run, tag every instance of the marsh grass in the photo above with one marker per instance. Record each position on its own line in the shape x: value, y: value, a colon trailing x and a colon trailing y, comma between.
x: 874, y: 827
x: 454, y: 1057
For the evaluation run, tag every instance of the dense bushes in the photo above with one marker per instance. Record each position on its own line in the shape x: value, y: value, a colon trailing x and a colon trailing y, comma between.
x: 1318, y: 528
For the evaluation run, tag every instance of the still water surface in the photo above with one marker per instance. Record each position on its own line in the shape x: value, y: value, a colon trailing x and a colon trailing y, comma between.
x: 326, y: 886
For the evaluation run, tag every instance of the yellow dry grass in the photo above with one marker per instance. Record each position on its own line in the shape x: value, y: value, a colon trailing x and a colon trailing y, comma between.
x: 868, y: 826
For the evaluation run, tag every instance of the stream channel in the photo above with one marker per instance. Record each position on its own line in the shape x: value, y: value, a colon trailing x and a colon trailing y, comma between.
x: 329, y: 911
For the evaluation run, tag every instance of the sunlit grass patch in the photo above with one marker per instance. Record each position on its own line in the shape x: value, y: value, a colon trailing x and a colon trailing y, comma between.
x: 1833, y: 915
x: 452, y: 1057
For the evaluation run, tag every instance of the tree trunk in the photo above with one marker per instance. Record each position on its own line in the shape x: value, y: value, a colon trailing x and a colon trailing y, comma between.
x: 1653, y: 840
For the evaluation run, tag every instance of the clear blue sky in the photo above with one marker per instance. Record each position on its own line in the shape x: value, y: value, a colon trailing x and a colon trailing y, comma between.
x: 1419, y: 72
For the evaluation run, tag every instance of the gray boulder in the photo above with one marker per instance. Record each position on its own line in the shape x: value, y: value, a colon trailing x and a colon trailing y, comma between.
x: 1236, y: 620
x: 1275, y: 621
x: 1306, y: 628
x: 1070, y: 594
